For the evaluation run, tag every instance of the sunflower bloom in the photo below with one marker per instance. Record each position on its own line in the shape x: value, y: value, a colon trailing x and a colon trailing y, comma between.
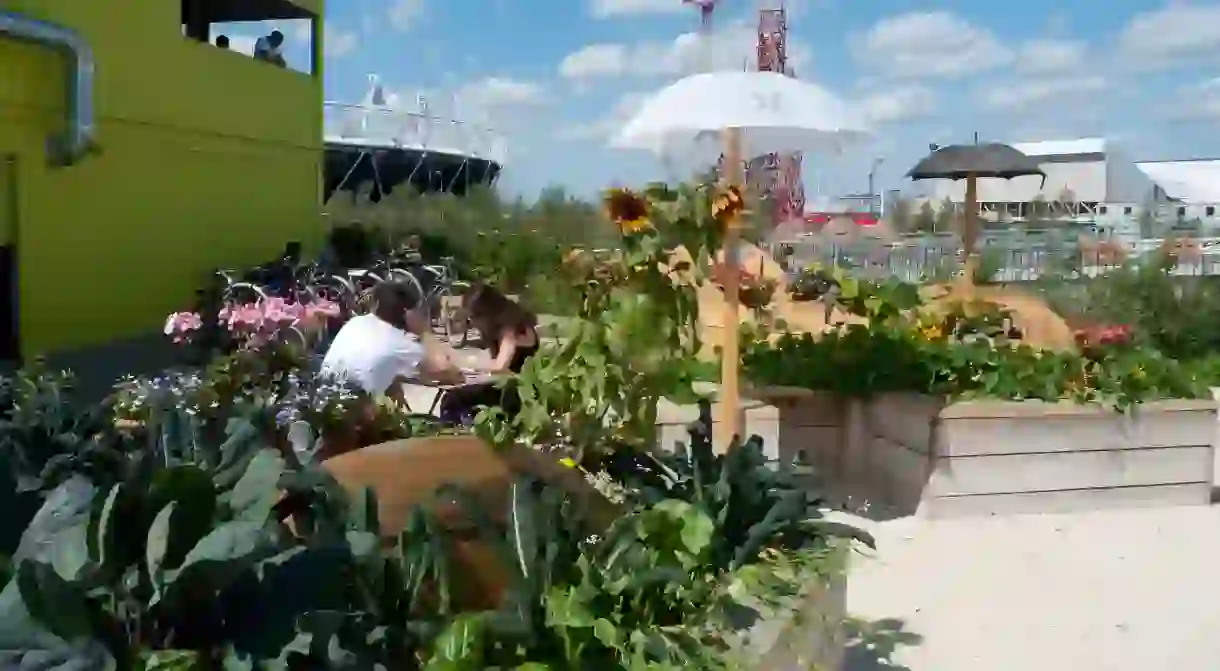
x: 728, y: 204
x: 627, y: 209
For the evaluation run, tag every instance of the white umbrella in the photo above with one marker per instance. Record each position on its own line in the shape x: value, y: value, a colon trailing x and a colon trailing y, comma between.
x: 776, y: 114
x: 738, y: 114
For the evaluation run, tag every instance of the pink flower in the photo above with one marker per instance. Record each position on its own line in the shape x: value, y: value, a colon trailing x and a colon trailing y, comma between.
x: 180, y: 325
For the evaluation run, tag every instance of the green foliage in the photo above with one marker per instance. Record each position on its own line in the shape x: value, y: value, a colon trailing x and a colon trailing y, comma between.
x: 711, y: 540
x: 190, y: 535
x: 633, y: 340
x: 970, y: 351
x: 1173, y: 314
x: 47, y: 431
x: 508, y: 243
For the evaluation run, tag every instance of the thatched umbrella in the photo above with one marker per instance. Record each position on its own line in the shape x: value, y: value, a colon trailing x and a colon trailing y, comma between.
x: 970, y: 162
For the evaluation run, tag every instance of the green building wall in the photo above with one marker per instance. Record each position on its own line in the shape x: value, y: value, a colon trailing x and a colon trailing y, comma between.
x: 206, y: 159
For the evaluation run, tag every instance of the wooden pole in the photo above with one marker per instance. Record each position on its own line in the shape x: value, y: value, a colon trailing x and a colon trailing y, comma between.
x: 728, y: 424
x: 970, y: 227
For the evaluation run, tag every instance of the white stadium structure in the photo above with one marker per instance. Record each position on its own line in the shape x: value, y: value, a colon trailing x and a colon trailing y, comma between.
x: 1095, y: 181
x: 385, y: 142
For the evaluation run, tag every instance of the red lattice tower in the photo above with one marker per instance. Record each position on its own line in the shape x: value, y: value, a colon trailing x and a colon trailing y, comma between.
x: 777, y: 176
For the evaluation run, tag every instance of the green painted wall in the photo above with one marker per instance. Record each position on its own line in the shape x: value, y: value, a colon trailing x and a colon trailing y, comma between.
x: 208, y: 158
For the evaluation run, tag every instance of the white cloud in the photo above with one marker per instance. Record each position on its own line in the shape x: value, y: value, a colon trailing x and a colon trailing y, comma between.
x: 1177, y: 32
x: 930, y: 44
x: 338, y: 42
x: 899, y: 104
x: 601, y: 129
x: 1023, y: 95
x: 595, y: 60
x: 729, y: 48
x: 607, y: 8
x: 1050, y: 56
x: 499, y: 92
x: 1197, y: 102
x: 403, y: 14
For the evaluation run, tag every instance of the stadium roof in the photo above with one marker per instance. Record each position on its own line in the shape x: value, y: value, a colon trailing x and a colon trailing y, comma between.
x: 1190, y: 181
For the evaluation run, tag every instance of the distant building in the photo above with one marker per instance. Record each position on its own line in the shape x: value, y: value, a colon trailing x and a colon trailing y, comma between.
x: 1094, y: 181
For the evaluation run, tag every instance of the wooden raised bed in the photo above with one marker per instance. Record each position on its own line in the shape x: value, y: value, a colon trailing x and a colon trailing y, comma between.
x: 997, y: 457
x: 919, y: 453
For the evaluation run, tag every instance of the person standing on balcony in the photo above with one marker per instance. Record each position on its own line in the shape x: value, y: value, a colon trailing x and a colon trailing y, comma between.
x: 222, y: 41
x: 270, y: 48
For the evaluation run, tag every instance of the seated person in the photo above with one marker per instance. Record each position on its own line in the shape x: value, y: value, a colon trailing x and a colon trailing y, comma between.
x: 510, y: 334
x: 270, y: 48
x: 391, y: 344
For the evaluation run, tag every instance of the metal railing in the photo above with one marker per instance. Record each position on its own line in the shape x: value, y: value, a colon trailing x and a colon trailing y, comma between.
x: 419, y: 130
x: 917, y: 263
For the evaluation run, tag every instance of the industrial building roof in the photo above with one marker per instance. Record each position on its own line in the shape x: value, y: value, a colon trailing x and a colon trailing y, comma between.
x: 1191, y: 181
x: 1091, y: 145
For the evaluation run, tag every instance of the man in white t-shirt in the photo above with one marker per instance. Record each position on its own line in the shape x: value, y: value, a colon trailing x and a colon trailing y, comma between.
x: 392, y: 343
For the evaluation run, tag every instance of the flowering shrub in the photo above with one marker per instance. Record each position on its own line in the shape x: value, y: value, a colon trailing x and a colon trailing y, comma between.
x: 970, y: 350
x: 256, y: 324
x: 1097, y: 341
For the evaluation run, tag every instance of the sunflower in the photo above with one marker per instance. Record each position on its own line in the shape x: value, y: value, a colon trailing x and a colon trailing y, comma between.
x: 628, y: 210
x: 727, y: 204
x: 932, y: 332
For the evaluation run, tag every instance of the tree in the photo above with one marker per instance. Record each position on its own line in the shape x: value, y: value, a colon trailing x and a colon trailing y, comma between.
x: 945, y: 216
x: 925, y: 220
x: 901, y: 217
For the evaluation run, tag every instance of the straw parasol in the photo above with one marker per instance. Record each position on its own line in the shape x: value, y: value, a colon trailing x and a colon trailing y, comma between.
x: 970, y: 162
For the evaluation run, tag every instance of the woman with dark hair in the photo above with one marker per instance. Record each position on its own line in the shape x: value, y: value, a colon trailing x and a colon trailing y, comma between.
x: 510, y: 334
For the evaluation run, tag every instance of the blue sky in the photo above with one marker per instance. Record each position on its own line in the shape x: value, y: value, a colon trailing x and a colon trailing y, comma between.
x: 556, y: 76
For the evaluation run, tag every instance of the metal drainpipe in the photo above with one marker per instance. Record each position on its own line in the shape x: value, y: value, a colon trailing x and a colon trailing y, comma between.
x: 80, y: 136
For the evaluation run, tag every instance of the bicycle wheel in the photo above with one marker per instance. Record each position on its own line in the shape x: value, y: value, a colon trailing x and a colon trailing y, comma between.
x: 243, y: 293
x: 335, y: 289
x: 405, y: 277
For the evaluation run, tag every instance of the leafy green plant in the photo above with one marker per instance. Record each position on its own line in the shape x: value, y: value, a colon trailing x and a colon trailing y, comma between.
x: 860, y: 360
x: 1170, y: 313
x: 192, y: 567
x: 672, y: 584
x: 46, y: 430
x: 634, y: 338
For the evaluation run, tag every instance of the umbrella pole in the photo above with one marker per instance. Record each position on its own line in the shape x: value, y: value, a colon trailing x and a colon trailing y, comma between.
x: 970, y: 226
x: 728, y: 425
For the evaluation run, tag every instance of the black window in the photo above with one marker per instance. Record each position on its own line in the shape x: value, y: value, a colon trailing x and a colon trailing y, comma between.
x: 1102, y: 209
x: 1210, y: 210
x: 1181, y: 212
x: 1126, y: 210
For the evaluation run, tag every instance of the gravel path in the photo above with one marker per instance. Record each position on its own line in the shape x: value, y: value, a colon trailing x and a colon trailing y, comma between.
x: 1124, y: 590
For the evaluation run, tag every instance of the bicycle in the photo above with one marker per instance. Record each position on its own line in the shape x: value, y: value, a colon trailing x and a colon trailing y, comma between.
x: 443, y: 296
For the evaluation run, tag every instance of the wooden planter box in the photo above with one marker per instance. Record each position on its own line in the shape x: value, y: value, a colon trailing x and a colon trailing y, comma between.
x: 997, y: 457
x: 908, y: 452
x: 757, y: 417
